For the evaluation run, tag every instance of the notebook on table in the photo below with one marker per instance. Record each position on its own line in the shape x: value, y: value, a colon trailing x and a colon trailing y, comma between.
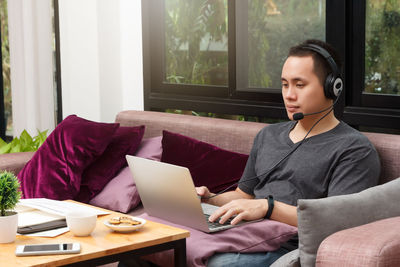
x: 167, y: 192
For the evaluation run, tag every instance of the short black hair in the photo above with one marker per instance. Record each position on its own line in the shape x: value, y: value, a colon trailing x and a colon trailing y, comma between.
x: 321, y: 66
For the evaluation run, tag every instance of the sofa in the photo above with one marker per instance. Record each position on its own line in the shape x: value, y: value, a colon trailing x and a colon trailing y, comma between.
x: 338, y: 247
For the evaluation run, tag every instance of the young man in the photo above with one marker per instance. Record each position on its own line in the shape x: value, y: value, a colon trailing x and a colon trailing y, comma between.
x: 317, y: 156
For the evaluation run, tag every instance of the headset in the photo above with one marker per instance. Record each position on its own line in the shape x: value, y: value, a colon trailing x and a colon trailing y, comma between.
x: 333, y: 84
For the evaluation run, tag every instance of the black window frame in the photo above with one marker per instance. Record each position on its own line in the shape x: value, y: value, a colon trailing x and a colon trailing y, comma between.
x: 345, y: 30
x: 3, y: 126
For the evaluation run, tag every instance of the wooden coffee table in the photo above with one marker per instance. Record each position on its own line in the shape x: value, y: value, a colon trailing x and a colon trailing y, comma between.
x: 103, y: 246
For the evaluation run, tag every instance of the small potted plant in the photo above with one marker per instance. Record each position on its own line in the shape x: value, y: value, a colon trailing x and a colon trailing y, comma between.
x: 9, y: 195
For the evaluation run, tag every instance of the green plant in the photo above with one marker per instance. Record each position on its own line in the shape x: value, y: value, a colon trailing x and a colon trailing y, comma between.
x: 9, y: 192
x: 24, y: 143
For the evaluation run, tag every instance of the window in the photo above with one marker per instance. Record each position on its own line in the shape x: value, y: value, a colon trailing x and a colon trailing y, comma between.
x: 382, y: 53
x: 226, y: 56
x: 265, y: 30
x: 196, y: 47
x: 372, y: 65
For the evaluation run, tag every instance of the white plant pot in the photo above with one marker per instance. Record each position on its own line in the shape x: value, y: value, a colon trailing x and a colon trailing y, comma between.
x: 8, y: 227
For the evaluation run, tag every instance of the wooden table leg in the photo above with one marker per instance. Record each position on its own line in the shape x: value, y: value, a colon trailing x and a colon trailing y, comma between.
x: 180, y: 253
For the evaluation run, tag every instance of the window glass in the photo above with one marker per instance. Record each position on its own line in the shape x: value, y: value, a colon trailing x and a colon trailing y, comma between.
x: 5, y: 50
x: 382, y: 47
x: 272, y: 27
x: 196, y: 42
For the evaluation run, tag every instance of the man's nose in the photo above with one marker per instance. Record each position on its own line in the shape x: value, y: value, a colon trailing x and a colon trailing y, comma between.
x: 291, y: 93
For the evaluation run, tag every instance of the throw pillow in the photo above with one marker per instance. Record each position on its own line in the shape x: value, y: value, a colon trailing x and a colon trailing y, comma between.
x: 209, y: 165
x: 266, y: 235
x: 319, y: 218
x: 56, y: 168
x: 120, y: 193
x: 125, y: 141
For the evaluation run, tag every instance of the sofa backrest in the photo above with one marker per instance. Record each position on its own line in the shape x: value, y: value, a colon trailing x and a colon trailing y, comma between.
x: 238, y: 135
x: 388, y: 147
x: 228, y: 134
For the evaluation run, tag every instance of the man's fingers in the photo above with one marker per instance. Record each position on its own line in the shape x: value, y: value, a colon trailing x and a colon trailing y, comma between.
x: 240, y: 217
x: 216, y: 214
x: 228, y: 214
x: 201, y: 191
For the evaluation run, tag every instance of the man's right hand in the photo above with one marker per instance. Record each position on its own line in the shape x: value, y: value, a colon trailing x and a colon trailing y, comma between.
x: 204, y: 193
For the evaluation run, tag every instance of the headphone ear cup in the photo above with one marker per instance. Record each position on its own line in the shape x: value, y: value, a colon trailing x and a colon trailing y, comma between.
x: 328, y: 87
x: 337, y: 86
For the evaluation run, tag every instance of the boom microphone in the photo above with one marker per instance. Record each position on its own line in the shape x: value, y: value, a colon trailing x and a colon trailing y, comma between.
x: 300, y: 115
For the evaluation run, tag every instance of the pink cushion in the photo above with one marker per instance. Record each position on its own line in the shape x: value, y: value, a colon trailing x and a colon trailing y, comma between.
x: 120, y: 193
x: 373, y: 244
x: 266, y: 235
x: 209, y: 165
x: 125, y: 141
x: 56, y: 168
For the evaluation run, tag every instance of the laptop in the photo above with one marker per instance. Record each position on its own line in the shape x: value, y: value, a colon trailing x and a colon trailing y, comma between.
x: 167, y: 192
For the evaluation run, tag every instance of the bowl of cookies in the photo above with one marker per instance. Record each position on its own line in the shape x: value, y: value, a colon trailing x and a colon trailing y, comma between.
x: 124, y: 223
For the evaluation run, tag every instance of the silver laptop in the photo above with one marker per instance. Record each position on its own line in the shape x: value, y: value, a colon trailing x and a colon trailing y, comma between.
x: 167, y: 192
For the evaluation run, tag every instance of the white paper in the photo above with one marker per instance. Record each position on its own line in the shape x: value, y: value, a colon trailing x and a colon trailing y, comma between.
x: 32, y: 211
x: 57, y: 207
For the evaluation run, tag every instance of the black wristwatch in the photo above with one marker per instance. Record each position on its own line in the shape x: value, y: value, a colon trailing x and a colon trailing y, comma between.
x: 270, y: 199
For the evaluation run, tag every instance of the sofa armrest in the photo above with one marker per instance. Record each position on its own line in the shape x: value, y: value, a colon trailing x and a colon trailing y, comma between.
x: 14, y: 162
x: 373, y: 244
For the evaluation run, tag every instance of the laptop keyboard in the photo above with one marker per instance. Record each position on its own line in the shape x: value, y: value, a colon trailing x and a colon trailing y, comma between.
x: 216, y: 224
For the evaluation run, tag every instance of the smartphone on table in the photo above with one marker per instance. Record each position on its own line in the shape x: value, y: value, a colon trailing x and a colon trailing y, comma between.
x: 47, y: 249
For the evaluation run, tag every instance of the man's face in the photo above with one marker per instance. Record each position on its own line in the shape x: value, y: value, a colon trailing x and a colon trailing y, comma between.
x: 302, y: 91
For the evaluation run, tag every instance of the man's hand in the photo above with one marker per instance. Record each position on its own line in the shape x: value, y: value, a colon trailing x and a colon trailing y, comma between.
x: 204, y: 193
x: 244, y: 209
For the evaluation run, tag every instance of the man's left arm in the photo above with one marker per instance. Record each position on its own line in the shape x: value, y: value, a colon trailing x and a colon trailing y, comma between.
x: 247, y: 208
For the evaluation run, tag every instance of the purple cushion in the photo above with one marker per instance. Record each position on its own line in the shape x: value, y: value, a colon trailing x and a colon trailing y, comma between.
x: 125, y: 141
x: 56, y: 168
x: 266, y: 235
x: 120, y: 193
x: 209, y: 165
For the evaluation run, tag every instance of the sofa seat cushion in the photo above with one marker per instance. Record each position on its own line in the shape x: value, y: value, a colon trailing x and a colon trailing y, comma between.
x: 56, y: 169
x: 209, y: 165
x: 319, y: 218
x: 373, y: 244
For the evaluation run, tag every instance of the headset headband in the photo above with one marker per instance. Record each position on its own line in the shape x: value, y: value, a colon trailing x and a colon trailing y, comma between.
x: 323, y: 52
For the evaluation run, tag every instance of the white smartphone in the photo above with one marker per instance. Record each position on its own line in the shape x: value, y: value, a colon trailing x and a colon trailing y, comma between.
x: 47, y: 249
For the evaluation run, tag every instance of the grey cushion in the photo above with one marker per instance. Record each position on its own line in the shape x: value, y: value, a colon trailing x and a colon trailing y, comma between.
x: 319, y: 218
x: 290, y: 259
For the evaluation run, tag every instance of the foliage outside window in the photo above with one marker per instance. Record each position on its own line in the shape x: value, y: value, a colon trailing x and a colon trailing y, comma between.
x: 196, y: 41
x: 382, y: 48
x: 273, y: 27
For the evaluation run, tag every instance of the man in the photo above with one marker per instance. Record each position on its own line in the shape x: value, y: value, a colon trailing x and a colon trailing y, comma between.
x: 314, y: 157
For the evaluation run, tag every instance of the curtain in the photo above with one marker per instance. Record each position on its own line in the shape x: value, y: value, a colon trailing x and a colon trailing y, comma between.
x: 31, y: 61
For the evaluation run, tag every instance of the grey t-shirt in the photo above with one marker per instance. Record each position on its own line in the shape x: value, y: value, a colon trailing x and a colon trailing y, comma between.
x: 339, y: 161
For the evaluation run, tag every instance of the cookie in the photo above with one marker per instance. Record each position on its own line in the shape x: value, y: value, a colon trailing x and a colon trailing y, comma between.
x: 114, y: 220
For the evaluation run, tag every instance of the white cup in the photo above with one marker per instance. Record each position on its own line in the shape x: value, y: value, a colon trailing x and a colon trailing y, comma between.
x: 81, y: 223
